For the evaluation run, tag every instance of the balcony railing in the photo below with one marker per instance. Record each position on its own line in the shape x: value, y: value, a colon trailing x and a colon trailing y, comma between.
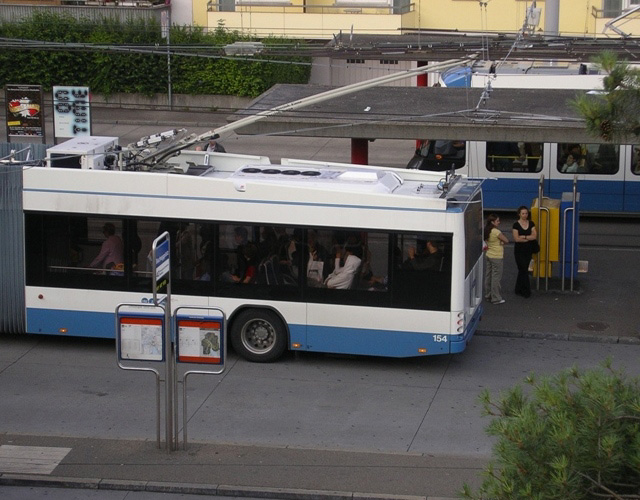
x: 284, y: 8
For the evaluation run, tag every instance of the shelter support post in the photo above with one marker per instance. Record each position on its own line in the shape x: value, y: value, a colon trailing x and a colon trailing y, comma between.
x: 360, y: 151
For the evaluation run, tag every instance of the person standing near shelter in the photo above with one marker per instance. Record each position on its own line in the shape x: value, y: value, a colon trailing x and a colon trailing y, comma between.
x: 524, y: 232
x: 494, y: 259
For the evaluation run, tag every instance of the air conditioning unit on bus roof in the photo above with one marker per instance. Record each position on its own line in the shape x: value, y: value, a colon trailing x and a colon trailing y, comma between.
x: 87, y: 152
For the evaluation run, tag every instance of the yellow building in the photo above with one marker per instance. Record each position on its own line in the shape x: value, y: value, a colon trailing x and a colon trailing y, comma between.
x: 322, y: 19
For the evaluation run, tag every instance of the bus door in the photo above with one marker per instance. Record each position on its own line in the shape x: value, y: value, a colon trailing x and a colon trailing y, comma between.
x: 631, y: 168
x: 599, y: 171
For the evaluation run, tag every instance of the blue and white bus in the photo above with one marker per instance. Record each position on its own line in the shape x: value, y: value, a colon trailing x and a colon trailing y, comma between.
x: 258, y: 240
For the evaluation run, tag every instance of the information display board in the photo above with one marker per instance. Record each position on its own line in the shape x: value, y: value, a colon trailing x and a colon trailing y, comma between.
x: 161, y: 256
x: 71, y: 112
x: 141, y: 337
x: 200, y: 340
x: 25, y: 113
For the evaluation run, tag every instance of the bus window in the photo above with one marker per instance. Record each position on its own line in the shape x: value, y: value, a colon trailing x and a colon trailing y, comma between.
x: 78, y: 251
x: 267, y: 257
x: 439, y: 156
x: 596, y: 159
x: 422, y: 280
x: 514, y: 157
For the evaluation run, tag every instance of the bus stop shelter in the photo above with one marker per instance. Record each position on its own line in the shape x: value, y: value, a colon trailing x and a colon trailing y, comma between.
x: 385, y: 112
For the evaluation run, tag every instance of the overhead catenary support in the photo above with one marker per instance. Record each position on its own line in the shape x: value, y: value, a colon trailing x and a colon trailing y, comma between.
x: 169, y: 151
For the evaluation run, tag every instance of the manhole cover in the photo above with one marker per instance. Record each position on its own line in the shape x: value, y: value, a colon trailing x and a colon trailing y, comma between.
x: 593, y: 326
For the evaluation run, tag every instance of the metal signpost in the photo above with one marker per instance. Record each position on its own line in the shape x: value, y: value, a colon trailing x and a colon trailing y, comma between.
x: 145, y: 335
x: 161, y: 275
x: 140, y: 338
x: 201, y: 339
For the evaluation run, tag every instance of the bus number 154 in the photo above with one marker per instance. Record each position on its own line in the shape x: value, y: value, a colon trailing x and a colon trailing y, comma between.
x: 440, y: 338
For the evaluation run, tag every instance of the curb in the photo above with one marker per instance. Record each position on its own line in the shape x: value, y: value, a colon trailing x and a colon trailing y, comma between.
x: 198, y: 489
x: 571, y: 337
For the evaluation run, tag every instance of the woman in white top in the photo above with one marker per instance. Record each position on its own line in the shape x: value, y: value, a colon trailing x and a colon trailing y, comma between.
x: 342, y: 276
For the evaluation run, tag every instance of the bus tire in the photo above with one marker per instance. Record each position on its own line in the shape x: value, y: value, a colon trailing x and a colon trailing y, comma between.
x: 258, y: 335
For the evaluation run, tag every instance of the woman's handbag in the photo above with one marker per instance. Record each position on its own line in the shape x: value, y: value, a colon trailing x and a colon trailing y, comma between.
x: 535, y: 246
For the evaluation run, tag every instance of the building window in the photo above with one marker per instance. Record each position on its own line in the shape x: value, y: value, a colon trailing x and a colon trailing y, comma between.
x: 613, y: 8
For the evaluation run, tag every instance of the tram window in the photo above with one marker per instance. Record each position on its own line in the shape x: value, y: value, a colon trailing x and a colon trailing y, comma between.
x: 514, y: 157
x: 439, y: 155
x: 597, y: 159
x: 635, y: 160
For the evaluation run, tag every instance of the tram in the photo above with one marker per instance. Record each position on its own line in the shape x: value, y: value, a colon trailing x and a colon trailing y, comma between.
x: 608, y: 175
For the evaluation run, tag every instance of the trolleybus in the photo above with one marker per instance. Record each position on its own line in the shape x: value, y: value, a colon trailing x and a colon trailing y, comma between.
x: 263, y: 242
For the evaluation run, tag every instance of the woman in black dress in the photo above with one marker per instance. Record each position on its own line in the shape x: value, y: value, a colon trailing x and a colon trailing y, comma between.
x: 524, y: 232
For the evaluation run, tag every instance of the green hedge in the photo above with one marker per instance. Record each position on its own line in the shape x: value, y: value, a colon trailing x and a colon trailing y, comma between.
x: 108, y: 71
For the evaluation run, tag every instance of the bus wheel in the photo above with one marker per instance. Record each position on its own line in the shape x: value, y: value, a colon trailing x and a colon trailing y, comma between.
x: 258, y: 335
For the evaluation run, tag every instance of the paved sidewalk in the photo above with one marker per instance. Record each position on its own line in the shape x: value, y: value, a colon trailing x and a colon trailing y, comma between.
x: 262, y: 472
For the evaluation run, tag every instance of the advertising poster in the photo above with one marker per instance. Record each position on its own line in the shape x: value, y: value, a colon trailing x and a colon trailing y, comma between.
x: 141, y: 338
x: 71, y: 112
x: 25, y: 114
x: 200, y: 341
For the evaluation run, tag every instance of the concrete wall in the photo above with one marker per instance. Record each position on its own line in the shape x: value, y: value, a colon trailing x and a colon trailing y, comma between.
x: 180, y: 101
x: 305, y: 25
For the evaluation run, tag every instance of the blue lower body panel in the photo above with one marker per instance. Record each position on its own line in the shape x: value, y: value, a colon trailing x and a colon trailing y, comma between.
x: 71, y: 323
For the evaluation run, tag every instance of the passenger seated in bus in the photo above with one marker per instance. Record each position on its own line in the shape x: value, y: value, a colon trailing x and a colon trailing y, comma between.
x: 429, y: 258
x: 317, y: 263
x: 112, y: 250
x: 250, y: 253
x: 237, y: 268
x: 290, y: 254
x: 343, y: 276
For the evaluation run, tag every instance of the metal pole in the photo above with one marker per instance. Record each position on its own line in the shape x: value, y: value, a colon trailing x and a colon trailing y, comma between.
x: 169, y: 374
x: 573, y: 232
x: 169, y: 90
x: 540, y: 195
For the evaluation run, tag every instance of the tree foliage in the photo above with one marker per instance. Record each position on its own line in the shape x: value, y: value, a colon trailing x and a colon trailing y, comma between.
x: 614, y: 114
x: 574, y: 436
x: 110, y: 71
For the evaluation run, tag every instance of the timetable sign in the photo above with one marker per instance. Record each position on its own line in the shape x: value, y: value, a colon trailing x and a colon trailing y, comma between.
x: 200, y: 341
x: 141, y: 338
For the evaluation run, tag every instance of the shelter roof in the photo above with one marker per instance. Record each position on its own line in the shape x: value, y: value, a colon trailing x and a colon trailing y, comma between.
x: 531, y: 115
